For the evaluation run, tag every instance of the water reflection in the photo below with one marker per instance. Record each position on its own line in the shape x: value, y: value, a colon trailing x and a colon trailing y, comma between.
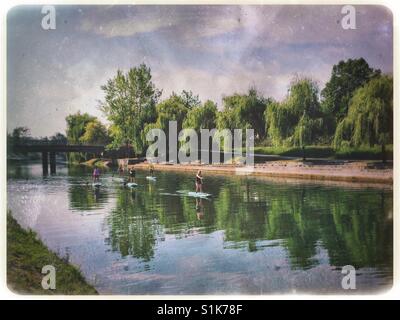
x: 352, y: 225
x: 252, y: 235
x: 83, y: 196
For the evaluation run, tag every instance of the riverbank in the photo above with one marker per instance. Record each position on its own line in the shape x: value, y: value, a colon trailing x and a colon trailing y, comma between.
x: 349, y: 171
x: 26, y: 255
x: 349, y: 153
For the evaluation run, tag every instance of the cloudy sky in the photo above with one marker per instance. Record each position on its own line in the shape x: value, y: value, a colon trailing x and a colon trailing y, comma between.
x: 211, y: 50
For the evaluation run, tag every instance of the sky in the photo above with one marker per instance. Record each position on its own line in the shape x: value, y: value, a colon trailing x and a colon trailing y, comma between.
x: 213, y: 51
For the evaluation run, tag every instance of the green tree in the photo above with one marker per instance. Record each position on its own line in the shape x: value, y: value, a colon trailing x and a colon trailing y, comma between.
x: 202, y: 117
x: 346, y: 77
x: 190, y: 100
x: 244, y: 112
x: 95, y: 133
x: 369, y: 118
x: 298, y: 120
x: 76, y: 125
x: 129, y: 104
x: 172, y: 109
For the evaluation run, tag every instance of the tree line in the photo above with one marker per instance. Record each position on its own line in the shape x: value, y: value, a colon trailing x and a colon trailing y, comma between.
x: 354, y: 109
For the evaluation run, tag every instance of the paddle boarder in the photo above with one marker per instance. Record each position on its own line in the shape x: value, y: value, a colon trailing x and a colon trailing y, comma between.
x: 96, y: 174
x: 151, y: 170
x: 199, y: 182
x: 132, y: 174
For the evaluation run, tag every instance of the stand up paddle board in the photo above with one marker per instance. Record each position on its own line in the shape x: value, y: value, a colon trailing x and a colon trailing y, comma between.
x: 198, y: 194
x: 131, y: 184
x: 96, y: 184
x: 151, y: 178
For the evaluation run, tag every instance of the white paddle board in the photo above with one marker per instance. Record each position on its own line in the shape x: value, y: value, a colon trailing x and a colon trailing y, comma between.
x: 131, y: 184
x: 198, y: 194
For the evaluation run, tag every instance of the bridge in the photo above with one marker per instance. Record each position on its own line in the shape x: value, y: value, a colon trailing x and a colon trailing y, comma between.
x: 49, y: 150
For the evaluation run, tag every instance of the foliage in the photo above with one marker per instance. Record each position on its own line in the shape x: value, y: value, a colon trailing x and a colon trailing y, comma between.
x: 298, y: 120
x: 244, y: 112
x: 202, y: 117
x: 189, y: 99
x: 95, y: 133
x: 129, y: 104
x: 20, y: 134
x: 76, y: 129
x: 355, y: 110
x: 59, y: 138
x: 171, y: 109
x: 369, y: 118
x: 76, y: 126
x: 346, y: 77
x: 359, y: 153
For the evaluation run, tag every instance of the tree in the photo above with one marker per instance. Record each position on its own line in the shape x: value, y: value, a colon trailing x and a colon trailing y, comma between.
x: 172, y: 109
x: 59, y: 138
x: 20, y: 134
x: 369, y: 118
x: 346, y: 77
x: 297, y: 121
x: 76, y: 126
x: 245, y: 112
x: 202, y: 117
x: 129, y: 104
x: 95, y: 133
x: 189, y: 99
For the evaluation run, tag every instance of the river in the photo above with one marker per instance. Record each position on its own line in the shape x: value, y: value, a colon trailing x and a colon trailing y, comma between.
x: 253, y: 236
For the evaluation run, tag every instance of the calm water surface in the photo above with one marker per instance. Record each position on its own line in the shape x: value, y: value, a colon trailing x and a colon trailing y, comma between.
x: 254, y: 236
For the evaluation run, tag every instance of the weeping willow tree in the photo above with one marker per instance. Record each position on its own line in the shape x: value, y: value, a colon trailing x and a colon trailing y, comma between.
x: 297, y: 121
x: 369, y: 118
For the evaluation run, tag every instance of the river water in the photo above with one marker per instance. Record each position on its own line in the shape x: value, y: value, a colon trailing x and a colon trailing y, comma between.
x: 253, y: 236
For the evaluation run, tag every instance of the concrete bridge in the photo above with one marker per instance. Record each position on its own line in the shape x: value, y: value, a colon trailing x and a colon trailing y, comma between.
x: 49, y: 150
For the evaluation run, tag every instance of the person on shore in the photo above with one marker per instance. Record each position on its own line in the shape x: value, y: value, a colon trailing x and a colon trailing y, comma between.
x: 96, y: 174
x: 132, y: 174
x: 199, y: 182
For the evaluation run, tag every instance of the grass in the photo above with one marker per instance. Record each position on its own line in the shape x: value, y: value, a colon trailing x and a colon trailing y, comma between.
x: 26, y: 255
x: 362, y: 153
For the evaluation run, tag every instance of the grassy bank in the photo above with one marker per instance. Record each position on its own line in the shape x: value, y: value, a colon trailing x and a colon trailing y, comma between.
x: 365, y: 153
x: 26, y: 255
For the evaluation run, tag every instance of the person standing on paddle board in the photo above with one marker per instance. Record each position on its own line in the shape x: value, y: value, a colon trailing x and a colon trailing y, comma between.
x: 199, y: 182
x: 96, y: 174
x: 151, y: 170
x: 132, y: 174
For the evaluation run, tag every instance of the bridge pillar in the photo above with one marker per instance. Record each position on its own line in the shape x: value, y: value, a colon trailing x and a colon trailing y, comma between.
x: 45, y: 162
x: 52, y: 162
